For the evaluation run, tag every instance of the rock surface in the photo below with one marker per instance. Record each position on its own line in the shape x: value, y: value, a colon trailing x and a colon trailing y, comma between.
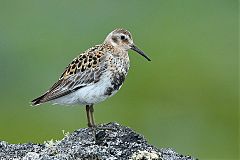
x: 108, y: 141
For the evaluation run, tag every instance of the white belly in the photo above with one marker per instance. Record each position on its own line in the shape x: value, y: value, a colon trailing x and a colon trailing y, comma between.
x: 90, y: 94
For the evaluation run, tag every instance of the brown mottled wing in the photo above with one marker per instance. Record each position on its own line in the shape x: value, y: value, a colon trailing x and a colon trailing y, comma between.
x: 84, y: 70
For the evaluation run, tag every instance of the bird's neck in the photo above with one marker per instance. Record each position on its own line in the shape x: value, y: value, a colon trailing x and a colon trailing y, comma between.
x: 115, y: 51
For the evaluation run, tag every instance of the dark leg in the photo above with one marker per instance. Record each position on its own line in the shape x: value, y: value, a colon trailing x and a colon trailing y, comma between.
x: 91, y: 115
x: 91, y: 124
x: 91, y: 110
x: 88, y: 116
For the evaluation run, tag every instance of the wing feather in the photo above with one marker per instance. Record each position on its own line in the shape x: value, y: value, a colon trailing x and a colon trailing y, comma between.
x: 84, y: 70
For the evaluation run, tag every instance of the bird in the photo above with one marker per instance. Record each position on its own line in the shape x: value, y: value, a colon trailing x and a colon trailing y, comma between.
x: 94, y: 75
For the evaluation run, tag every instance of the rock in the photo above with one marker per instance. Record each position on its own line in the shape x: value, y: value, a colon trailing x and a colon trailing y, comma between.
x: 108, y: 141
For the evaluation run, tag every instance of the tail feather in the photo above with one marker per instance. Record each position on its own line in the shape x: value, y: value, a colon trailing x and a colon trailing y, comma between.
x: 39, y: 100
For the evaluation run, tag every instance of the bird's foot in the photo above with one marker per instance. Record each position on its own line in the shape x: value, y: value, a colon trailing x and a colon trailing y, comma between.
x: 95, y: 129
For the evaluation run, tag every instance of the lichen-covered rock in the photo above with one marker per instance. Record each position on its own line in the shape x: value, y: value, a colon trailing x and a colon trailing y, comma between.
x: 108, y: 141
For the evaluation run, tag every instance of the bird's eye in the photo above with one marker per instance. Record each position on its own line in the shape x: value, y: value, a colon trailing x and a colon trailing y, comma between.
x: 123, y: 37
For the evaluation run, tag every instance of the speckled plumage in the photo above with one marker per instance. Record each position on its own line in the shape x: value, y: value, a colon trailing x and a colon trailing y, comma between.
x: 95, y: 74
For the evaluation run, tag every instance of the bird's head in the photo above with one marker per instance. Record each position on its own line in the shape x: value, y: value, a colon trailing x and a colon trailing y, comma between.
x: 122, y: 39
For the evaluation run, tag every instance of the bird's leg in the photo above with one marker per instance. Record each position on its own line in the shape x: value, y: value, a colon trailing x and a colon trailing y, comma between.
x: 88, y: 116
x: 93, y: 123
x: 91, y: 109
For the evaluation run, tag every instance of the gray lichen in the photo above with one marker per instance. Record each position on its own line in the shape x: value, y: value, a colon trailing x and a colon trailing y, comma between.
x: 109, y: 141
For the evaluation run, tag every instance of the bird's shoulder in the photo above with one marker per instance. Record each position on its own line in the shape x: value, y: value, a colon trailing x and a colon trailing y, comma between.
x: 89, y: 60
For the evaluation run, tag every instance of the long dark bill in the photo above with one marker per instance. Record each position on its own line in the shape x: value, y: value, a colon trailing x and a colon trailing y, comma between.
x: 134, y: 47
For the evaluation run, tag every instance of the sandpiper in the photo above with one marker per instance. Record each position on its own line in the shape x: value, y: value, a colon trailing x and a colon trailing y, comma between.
x: 94, y: 75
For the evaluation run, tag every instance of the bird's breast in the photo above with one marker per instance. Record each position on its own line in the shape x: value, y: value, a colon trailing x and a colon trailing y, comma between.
x: 109, y: 83
x: 116, y: 81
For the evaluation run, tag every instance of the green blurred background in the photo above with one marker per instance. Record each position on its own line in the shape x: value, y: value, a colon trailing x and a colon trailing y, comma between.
x: 186, y: 98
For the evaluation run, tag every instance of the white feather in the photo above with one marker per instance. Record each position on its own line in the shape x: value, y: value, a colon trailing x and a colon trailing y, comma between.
x: 90, y: 94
